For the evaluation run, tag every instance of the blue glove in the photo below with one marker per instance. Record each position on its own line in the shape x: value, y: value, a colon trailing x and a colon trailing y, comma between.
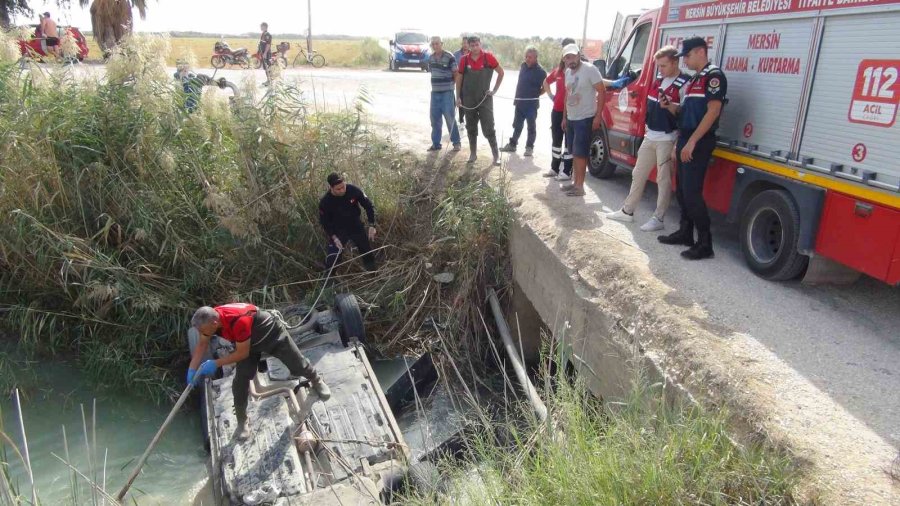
x: 190, y: 375
x: 620, y: 83
x: 207, y: 368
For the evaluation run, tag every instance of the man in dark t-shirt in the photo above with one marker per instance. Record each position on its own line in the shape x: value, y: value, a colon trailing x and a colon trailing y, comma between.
x: 253, y: 331
x: 264, y: 48
x: 339, y: 214
x: 528, y: 89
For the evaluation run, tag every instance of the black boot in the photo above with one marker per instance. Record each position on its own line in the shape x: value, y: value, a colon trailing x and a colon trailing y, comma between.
x: 683, y: 236
x: 703, y: 248
x: 473, y: 150
x: 495, y: 150
x: 242, y: 431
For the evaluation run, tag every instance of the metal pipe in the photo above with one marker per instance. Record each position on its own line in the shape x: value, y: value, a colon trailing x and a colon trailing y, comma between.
x: 255, y: 392
x: 310, y: 472
x: 539, y: 408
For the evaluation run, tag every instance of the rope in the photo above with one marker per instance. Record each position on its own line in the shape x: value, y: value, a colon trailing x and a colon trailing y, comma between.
x: 312, y: 308
x: 486, y: 95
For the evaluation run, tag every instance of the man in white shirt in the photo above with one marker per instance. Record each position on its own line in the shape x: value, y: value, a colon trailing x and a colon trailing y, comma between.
x: 585, y: 96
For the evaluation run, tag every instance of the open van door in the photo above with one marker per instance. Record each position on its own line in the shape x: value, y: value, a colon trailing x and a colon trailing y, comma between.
x: 621, y: 28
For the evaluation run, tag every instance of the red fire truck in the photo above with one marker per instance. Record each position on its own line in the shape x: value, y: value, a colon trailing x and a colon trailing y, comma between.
x: 808, y: 156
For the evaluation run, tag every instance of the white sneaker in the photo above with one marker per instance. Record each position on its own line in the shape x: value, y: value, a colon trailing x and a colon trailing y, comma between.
x: 652, y: 225
x: 563, y: 176
x: 620, y: 216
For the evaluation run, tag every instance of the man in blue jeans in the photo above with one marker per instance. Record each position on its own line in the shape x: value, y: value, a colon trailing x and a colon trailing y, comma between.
x: 443, y: 99
x: 528, y: 89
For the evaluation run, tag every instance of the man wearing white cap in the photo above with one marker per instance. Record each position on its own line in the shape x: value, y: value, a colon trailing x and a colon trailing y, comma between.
x: 584, y: 103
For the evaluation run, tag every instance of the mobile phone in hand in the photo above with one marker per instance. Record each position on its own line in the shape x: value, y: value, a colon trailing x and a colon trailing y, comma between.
x: 663, y: 99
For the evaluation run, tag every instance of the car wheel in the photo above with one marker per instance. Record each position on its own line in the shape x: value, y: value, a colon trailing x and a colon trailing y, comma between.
x: 770, y: 234
x: 598, y: 160
x: 350, y: 318
x: 392, y: 65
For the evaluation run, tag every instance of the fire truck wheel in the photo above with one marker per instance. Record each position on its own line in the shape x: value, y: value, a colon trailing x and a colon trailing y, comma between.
x: 770, y: 232
x: 350, y: 318
x: 598, y: 163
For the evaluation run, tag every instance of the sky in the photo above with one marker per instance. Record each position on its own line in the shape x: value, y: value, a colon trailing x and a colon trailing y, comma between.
x: 377, y: 18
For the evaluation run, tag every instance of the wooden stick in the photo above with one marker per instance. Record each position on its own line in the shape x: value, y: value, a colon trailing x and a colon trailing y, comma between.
x: 137, y: 468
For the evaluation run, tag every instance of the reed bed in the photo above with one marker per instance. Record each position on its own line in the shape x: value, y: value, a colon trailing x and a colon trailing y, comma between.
x: 123, y: 212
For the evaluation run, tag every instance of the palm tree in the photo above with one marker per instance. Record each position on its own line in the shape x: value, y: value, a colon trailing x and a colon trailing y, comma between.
x: 111, y: 20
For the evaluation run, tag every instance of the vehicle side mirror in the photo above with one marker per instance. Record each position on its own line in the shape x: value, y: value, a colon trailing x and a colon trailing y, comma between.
x: 601, y: 66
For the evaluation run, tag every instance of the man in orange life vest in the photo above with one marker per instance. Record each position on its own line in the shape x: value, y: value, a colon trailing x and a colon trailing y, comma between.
x: 253, y: 331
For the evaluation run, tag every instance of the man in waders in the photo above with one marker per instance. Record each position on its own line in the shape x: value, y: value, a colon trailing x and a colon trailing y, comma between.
x: 253, y: 331
x: 473, y: 85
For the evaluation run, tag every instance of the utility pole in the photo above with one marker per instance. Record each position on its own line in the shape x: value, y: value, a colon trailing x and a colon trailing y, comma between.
x: 309, y: 27
x: 587, y: 4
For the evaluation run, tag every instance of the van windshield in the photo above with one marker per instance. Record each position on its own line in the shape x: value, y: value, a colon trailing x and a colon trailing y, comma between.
x: 411, y: 38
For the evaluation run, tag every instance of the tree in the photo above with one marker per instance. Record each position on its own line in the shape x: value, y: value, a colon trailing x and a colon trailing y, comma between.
x: 9, y: 8
x: 111, y: 20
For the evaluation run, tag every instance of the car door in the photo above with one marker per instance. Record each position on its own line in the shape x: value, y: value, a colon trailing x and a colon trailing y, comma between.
x: 625, y: 106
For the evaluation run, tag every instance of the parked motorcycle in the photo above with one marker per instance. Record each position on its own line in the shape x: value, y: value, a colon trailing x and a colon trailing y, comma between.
x: 224, y: 55
x: 278, y: 56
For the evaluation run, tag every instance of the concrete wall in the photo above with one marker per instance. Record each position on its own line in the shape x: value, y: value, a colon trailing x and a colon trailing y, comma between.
x: 603, y: 352
x: 619, y: 322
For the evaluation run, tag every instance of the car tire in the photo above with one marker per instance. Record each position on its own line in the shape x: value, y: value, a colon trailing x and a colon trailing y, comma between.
x: 217, y: 62
x: 599, y: 164
x: 392, y: 65
x: 770, y: 234
x: 350, y: 318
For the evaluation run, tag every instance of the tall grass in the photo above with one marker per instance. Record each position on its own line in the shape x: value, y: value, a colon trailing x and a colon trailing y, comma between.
x: 642, y: 450
x: 122, y: 213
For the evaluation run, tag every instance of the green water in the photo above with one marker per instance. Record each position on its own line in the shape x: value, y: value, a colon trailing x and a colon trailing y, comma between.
x: 174, y: 474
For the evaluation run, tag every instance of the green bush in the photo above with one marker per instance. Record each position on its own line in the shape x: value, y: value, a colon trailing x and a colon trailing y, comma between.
x: 371, y: 54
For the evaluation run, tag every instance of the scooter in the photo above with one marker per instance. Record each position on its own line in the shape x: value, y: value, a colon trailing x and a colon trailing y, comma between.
x: 224, y: 55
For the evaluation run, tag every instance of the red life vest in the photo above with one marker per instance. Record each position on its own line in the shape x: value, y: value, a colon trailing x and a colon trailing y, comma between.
x: 236, y: 320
